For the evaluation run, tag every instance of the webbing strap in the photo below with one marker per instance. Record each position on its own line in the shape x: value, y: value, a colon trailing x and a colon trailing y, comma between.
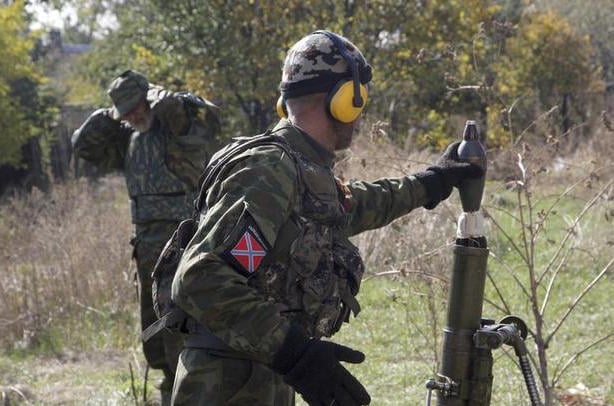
x: 214, y: 168
x: 207, y: 341
x: 214, y: 346
x: 171, y: 318
x: 350, y: 301
x: 201, y: 337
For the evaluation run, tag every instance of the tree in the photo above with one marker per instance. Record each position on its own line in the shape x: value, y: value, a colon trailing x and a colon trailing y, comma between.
x: 594, y: 21
x: 16, y: 69
x: 435, y: 62
x: 546, y: 69
x: 235, y: 54
x: 423, y: 50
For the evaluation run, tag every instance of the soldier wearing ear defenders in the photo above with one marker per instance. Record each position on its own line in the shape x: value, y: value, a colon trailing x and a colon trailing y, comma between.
x: 270, y: 270
x: 160, y: 140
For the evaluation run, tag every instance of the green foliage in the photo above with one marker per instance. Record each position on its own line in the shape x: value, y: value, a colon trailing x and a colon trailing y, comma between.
x: 15, y: 66
x: 595, y: 22
x: 543, y: 236
x: 433, y: 61
x: 546, y: 64
x: 233, y: 56
x: 437, y: 135
x: 424, y: 49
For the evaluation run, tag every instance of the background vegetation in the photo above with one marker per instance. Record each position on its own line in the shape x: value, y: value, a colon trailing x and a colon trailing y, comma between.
x: 69, y: 310
x: 536, y: 75
x: 433, y: 60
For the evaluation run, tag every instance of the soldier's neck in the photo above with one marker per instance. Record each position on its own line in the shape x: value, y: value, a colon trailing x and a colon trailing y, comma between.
x: 318, y: 128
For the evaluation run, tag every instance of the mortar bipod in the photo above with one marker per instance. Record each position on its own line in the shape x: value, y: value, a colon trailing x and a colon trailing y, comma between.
x: 511, y: 330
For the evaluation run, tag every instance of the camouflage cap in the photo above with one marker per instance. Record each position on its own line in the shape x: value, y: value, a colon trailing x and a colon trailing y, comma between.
x: 126, y: 91
x: 315, y: 64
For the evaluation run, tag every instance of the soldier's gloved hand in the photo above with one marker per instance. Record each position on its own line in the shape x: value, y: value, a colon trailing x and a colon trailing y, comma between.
x: 313, y: 368
x: 448, y: 172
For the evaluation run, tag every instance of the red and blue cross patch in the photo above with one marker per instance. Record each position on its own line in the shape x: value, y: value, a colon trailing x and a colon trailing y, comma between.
x: 247, y: 253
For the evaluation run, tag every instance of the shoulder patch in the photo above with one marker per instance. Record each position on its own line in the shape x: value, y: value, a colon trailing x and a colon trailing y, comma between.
x: 248, y: 249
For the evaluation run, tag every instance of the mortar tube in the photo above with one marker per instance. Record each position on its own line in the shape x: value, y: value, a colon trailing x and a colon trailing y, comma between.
x: 465, y: 368
x: 463, y: 320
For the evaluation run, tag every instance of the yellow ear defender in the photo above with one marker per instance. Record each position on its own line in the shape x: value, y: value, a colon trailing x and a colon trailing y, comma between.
x: 340, y: 101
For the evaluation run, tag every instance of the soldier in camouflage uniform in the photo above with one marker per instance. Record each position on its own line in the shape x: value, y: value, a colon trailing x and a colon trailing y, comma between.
x: 270, y: 270
x: 161, y: 141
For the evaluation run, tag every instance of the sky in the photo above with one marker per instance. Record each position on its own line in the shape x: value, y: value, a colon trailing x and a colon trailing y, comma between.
x: 46, y: 17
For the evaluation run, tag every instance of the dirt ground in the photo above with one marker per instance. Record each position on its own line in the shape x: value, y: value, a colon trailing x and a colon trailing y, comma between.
x: 97, y: 378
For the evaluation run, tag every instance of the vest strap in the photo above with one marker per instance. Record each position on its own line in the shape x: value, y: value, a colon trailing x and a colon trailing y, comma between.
x: 350, y: 301
x: 171, y: 318
x: 200, y: 337
x: 205, y: 341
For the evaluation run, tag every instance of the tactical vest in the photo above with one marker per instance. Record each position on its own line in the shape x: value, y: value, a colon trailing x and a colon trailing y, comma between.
x: 156, y: 193
x: 313, y: 271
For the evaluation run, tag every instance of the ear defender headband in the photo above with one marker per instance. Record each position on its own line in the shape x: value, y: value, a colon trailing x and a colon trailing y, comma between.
x: 346, y: 100
x: 348, y: 97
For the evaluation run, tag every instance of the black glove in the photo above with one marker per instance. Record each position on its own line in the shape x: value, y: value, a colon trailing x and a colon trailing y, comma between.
x: 448, y: 172
x: 312, y: 367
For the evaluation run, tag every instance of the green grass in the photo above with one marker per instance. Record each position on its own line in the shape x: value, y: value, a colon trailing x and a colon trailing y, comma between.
x: 92, y: 378
x: 399, y: 351
x: 394, y: 330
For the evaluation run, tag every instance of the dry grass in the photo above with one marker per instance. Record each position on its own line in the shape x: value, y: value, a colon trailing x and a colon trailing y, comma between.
x: 65, y: 262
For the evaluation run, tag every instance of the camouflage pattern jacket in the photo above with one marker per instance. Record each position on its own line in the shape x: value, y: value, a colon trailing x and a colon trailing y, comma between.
x: 162, y: 166
x: 272, y: 246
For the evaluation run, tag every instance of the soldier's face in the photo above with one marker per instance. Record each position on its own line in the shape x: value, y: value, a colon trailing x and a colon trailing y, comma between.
x: 345, y: 133
x: 140, y: 117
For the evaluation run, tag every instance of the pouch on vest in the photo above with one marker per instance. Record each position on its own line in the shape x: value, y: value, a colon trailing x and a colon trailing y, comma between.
x: 169, y: 314
x: 329, y: 270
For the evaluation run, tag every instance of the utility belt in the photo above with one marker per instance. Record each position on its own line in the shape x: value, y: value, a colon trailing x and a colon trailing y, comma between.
x: 198, y: 336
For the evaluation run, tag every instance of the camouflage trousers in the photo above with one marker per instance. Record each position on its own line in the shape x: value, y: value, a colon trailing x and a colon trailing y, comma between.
x: 161, y: 351
x: 207, y: 377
